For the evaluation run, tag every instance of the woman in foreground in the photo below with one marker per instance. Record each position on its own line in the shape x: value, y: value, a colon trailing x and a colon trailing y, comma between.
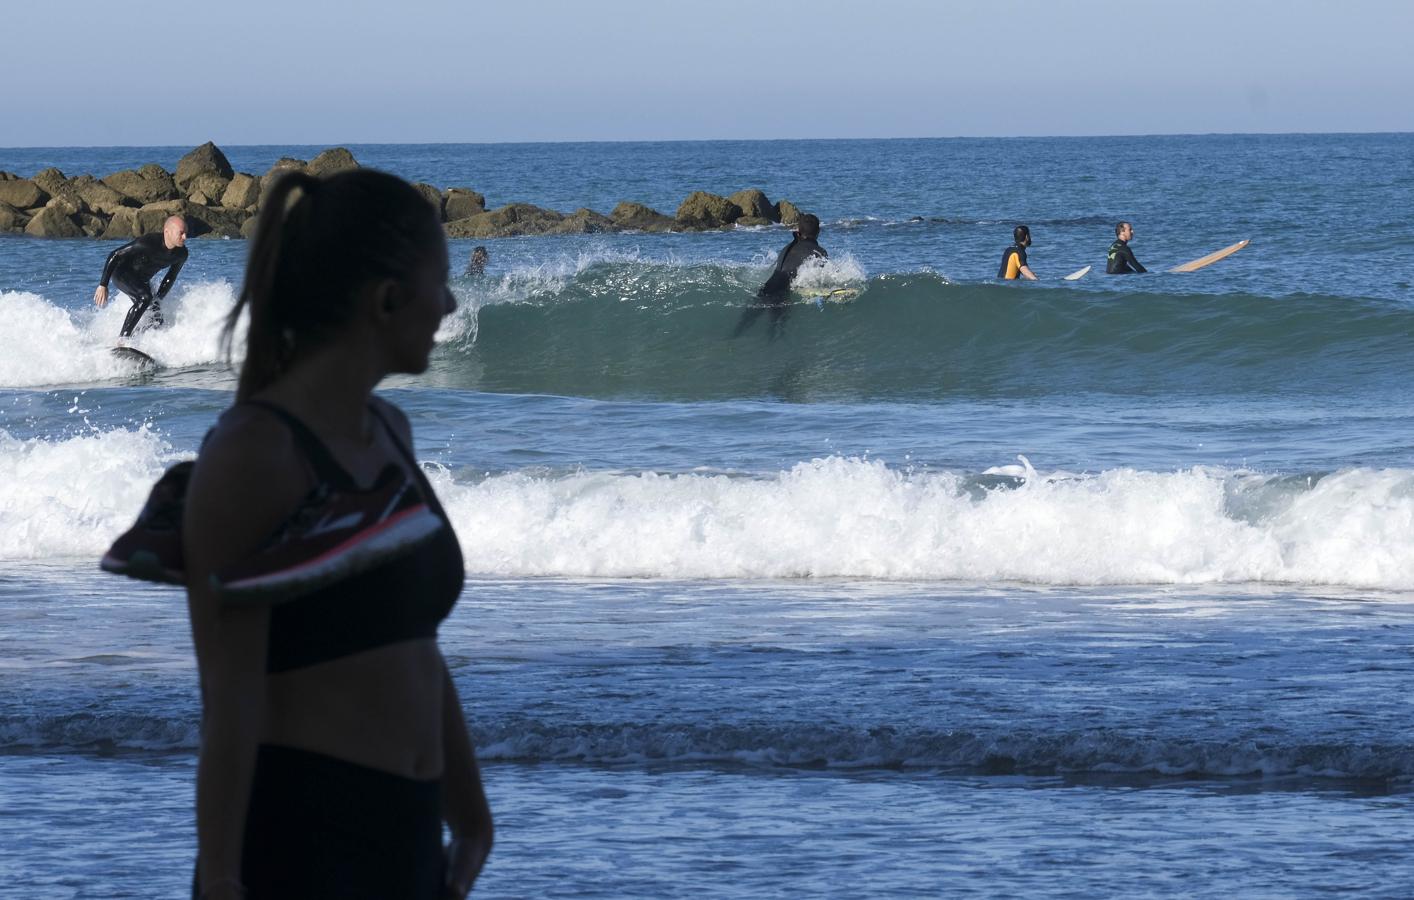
x: 319, y: 565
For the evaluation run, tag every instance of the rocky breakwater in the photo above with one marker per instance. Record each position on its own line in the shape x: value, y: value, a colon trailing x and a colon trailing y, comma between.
x: 219, y: 202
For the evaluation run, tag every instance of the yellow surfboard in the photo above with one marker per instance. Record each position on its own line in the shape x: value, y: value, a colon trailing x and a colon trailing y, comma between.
x: 838, y: 295
x: 1204, y: 261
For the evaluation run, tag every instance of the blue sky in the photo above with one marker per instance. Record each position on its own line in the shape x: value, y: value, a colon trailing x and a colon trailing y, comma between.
x: 105, y: 73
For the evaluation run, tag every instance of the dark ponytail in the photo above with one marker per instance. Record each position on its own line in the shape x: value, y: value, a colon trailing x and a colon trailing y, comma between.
x: 317, y: 241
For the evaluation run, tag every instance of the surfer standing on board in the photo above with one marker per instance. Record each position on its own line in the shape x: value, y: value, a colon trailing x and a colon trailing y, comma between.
x: 1120, y: 260
x: 773, y: 294
x: 130, y: 268
x: 1014, y: 257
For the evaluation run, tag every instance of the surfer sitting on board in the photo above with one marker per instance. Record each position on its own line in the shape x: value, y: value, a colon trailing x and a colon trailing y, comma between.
x: 1120, y: 260
x: 131, y: 267
x: 773, y: 294
x: 1014, y: 257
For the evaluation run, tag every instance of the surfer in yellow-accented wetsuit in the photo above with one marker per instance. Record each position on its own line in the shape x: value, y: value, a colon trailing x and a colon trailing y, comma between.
x: 1014, y: 257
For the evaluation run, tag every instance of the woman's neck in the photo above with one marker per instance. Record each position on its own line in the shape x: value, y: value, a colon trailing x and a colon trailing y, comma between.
x: 329, y: 390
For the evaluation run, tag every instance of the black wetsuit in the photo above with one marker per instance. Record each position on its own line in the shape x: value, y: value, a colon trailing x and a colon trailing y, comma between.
x: 131, y: 268
x: 772, y: 294
x: 788, y: 264
x: 1120, y: 260
x: 1006, y: 272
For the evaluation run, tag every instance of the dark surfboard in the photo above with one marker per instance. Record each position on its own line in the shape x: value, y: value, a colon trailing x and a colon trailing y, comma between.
x: 135, y: 356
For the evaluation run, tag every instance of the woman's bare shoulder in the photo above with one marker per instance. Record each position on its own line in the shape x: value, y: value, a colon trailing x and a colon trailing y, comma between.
x: 395, y: 417
x: 248, y: 478
x: 248, y: 440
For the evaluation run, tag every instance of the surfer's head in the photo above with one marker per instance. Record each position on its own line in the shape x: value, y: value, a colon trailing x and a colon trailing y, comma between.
x: 808, y: 226
x: 1022, y: 235
x: 1124, y: 231
x: 174, y: 232
x: 358, y: 256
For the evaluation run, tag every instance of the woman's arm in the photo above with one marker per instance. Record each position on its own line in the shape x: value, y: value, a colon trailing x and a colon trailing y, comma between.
x: 463, y: 798
x: 464, y: 803
x: 245, y: 482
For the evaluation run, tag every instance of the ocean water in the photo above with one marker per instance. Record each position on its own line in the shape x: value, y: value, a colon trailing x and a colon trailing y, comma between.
x: 1094, y: 588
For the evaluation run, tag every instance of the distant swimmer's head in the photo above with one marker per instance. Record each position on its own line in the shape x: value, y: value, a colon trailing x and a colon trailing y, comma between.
x: 808, y: 226
x: 174, y: 232
x: 1022, y: 235
x: 477, y: 264
x: 1124, y: 231
x: 357, y: 260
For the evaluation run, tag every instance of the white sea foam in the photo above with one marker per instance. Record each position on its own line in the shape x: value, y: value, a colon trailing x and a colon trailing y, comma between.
x: 840, y: 517
x: 826, y: 518
x: 73, y: 497
x: 836, y: 272
x: 48, y: 344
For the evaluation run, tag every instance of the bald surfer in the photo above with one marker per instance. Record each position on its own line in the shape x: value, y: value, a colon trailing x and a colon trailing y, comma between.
x: 130, y: 269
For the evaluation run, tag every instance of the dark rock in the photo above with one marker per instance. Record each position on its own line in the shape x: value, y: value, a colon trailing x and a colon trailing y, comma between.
x: 460, y: 203
x: 286, y: 163
x: 242, y: 193
x: 152, y: 216
x: 283, y: 166
x: 11, y: 219
x: 22, y: 193
x: 702, y: 210
x: 210, y: 184
x: 511, y: 220
x: 52, y: 223
x: 584, y: 221
x: 755, y: 204
x: 752, y: 222
x: 204, y: 160
x: 150, y: 184
x: 154, y: 172
x: 248, y: 229
x: 432, y: 195
x: 100, y: 198
x: 51, y: 181
x: 202, y: 221
x: 637, y: 217
x: 790, y: 213
x: 67, y: 206
x: 122, y: 225
x: 332, y: 161
x: 92, y: 225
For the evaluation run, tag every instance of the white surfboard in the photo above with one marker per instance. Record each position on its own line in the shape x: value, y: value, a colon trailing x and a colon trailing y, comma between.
x: 1205, y: 261
x: 1077, y: 275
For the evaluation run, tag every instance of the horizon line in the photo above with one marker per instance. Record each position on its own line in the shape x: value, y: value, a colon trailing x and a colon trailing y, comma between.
x: 956, y: 137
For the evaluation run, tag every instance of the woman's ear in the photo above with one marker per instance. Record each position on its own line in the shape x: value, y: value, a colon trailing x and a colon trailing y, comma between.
x: 384, y: 299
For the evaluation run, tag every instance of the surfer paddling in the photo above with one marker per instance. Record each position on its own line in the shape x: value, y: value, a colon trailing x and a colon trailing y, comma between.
x: 773, y: 295
x: 130, y: 269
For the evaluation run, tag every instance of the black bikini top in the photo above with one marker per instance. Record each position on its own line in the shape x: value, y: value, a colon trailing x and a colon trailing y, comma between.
x: 403, y: 599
